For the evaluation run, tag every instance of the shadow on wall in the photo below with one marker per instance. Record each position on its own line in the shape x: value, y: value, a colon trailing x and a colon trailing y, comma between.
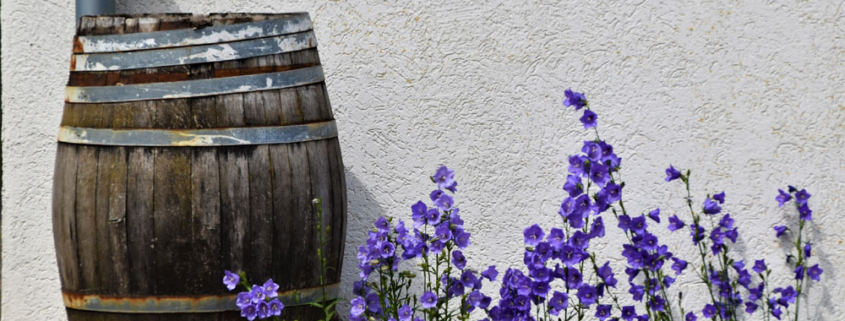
x: 146, y: 6
x: 363, y: 210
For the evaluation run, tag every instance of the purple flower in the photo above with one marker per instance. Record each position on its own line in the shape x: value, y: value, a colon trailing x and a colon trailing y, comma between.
x: 759, y: 266
x: 675, y: 223
x: 358, y: 306
x: 231, y: 280
x: 709, y: 311
x: 727, y: 222
x: 592, y: 150
x: 576, y: 166
x: 586, y: 294
x: 655, y: 215
x: 804, y: 212
x: 263, y: 310
x: 573, y: 185
x: 672, y: 174
x: 597, y: 230
x: 244, y: 299
x: 788, y: 295
x: 750, y: 307
x: 382, y: 225
x: 657, y: 303
x: 276, y: 307
x: 373, y: 304
x: 808, y: 250
x: 459, y: 260
x: 575, y: 99
x: 387, y: 249
x: 802, y: 196
x: 799, y: 272
x: 603, y: 311
x: 711, y: 207
x: 589, y: 119
x: 468, y: 279
x: 462, y: 238
x: 782, y: 197
x: 606, y: 274
x: 720, y: 197
x: 573, y: 278
x: 814, y: 272
x: 612, y: 192
x: 444, y: 202
x: 258, y: 294
x: 599, y: 174
x: 629, y: 312
x: 405, y: 313
x: 571, y: 255
x: 638, y: 224
x: 556, y: 238
x: 270, y: 289
x: 432, y: 216
x: 444, y: 177
x: 490, y: 273
x: 780, y: 230
x: 428, y: 300
x: 558, y: 302
x: 533, y: 235
x: 678, y: 265
x: 690, y: 317
x: 637, y: 292
x: 776, y: 312
x: 249, y: 312
x: 624, y: 222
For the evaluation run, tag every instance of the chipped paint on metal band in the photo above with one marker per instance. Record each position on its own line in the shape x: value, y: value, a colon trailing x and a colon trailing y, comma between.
x: 194, y: 54
x: 195, y: 88
x: 199, y: 137
x: 189, y: 37
x: 184, y: 304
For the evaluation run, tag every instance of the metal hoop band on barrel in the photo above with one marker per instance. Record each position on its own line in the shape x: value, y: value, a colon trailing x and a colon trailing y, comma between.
x: 195, y: 88
x: 199, y: 137
x: 188, y: 37
x: 184, y: 304
x: 193, y: 55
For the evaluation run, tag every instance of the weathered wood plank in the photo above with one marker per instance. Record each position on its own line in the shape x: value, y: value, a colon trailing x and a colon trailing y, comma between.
x: 64, y: 215
x: 205, y: 212
x: 86, y: 216
x: 140, y: 222
x: 338, y: 190
x: 234, y: 207
x: 260, y: 254
x: 301, y: 216
x: 173, y: 113
x: 320, y: 169
x: 289, y: 104
x: 284, y: 232
x: 172, y: 215
x: 230, y: 110
x: 111, y: 217
x: 308, y: 103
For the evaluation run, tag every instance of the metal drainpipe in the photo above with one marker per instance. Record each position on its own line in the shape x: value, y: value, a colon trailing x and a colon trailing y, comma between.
x: 93, y: 8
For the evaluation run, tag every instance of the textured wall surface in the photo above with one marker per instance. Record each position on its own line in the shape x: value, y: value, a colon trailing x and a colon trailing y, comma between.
x: 747, y: 95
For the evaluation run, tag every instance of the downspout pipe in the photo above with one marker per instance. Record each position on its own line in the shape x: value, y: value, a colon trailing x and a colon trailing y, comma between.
x: 93, y: 8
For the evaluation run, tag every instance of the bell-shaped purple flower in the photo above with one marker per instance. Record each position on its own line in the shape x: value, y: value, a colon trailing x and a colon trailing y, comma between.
x: 711, y: 207
x: 672, y: 174
x: 263, y: 309
x: 249, y: 312
x: 804, y: 212
x: 782, y: 197
x: 533, y: 235
x: 459, y: 260
x: 675, y: 223
x: 586, y: 294
x: 276, y: 307
x: 603, y: 311
x: 573, y: 185
x: 759, y: 266
x: 558, y: 302
x: 599, y: 174
x: 815, y: 272
x: 231, y: 280
x: 444, y: 177
x: 575, y: 99
x: 779, y: 230
x: 428, y: 300
x: 709, y: 311
x: 655, y: 215
x: 629, y: 312
x: 802, y: 196
x: 690, y: 317
x: 490, y: 273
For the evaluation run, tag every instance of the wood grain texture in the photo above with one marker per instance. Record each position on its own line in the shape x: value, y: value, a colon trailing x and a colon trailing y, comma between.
x: 144, y: 221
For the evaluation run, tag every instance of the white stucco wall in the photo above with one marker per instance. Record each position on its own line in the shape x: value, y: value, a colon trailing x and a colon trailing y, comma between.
x: 750, y: 96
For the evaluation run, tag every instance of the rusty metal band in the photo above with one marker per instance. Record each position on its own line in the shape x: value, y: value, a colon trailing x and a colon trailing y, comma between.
x: 199, y: 137
x: 185, y: 304
x: 188, y: 37
x: 195, y: 88
x: 193, y: 55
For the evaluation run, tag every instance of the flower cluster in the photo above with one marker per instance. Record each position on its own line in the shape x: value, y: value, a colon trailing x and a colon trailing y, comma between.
x: 258, y: 301
x: 435, y: 240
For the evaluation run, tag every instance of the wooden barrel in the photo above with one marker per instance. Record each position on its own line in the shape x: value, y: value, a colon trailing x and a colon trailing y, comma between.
x: 190, y: 145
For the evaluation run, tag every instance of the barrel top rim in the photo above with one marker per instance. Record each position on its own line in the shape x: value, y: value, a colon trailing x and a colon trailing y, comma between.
x: 189, y: 14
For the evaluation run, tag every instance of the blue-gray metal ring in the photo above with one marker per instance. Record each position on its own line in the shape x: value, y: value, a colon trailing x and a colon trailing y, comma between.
x: 195, y: 88
x: 194, y: 54
x: 199, y: 137
x: 294, y: 23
